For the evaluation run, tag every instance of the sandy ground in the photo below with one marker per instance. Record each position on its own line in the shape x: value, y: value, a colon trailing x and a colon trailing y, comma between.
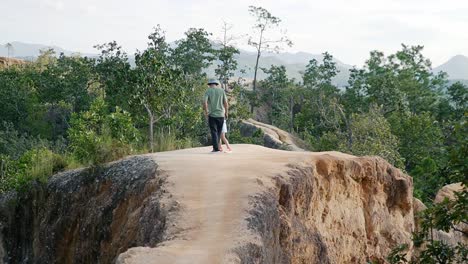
x: 213, y: 194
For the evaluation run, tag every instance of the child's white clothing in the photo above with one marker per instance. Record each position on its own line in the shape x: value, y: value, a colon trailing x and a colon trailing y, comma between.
x: 224, y: 130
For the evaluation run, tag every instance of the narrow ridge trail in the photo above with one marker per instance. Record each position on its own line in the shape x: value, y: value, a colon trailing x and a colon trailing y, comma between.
x: 212, y: 192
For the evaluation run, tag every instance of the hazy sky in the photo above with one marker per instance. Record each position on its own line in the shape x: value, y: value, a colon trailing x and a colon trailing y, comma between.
x: 348, y: 29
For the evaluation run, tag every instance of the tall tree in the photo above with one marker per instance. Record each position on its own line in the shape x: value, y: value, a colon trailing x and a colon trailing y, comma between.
x: 156, y: 80
x: 115, y: 75
x: 260, y: 41
x: 274, y: 95
x: 193, y: 53
x: 225, y: 55
x: 321, y: 110
x: 316, y: 75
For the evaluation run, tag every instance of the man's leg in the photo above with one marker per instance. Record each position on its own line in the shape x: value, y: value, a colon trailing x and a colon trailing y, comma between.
x: 219, y: 127
x: 214, y: 132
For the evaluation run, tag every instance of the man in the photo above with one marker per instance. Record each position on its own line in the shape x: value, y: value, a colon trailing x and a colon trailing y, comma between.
x: 215, y: 106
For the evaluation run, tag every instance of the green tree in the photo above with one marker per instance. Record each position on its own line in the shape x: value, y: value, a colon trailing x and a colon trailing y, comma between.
x: 400, y: 82
x: 193, y: 53
x: 371, y: 135
x: 114, y: 75
x: 320, y: 108
x: 458, y: 94
x: 317, y: 75
x: 98, y: 136
x: 18, y: 97
x: 279, y: 95
x: 420, y: 137
x: 457, y: 167
x: 155, y: 88
x: 69, y: 80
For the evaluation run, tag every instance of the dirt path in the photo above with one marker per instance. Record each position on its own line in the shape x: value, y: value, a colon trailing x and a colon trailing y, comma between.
x: 213, y: 193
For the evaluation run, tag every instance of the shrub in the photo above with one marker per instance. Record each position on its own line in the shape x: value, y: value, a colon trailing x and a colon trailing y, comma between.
x: 34, y: 165
x: 97, y: 136
x: 443, y: 216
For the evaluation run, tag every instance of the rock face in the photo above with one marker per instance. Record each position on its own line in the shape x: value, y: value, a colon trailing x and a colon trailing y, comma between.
x: 273, y: 137
x: 333, y: 209
x: 85, y: 216
x: 6, y: 62
x: 452, y: 237
x: 448, y: 191
x: 255, y: 205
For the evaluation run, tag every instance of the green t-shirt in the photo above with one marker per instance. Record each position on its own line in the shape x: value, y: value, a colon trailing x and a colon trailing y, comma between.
x: 215, y: 97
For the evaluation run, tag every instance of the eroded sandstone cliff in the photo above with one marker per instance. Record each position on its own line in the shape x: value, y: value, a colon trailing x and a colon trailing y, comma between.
x: 84, y: 216
x: 332, y: 209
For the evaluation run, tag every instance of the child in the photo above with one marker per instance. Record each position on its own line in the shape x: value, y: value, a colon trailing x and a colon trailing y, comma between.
x: 224, y: 139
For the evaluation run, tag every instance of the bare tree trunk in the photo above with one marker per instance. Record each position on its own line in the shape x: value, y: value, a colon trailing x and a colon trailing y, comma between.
x: 151, y: 124
x: 255, y: 72
x: 259, y: 52
x: 255, y: 82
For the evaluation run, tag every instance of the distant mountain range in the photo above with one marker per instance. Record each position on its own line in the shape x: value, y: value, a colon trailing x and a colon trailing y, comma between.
x: 30, y: 51
x: 295, y: 63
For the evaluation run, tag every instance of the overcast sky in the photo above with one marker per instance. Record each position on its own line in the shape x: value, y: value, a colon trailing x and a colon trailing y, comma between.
x: 348, y: 29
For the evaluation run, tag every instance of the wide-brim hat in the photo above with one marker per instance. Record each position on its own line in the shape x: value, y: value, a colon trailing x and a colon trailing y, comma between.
x: 213, y: 81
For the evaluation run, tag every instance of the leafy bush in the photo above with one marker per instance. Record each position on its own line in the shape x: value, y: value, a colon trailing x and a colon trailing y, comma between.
x: 34, y: 165
x: 8, y: 173
x: 97, y: 136
x: 443, y: 216
x: 235, y: 136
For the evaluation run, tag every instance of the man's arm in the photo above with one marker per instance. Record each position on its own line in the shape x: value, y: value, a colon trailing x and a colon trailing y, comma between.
x: 205, y: 107
x: 205, y: 103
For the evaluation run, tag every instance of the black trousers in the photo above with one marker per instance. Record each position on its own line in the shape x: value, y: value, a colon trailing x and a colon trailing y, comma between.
x: 216, y: 126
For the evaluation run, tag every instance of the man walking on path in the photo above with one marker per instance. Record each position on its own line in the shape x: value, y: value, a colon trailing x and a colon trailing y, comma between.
x: 215, y: 106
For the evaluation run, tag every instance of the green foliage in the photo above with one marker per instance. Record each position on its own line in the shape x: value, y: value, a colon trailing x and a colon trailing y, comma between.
x: 277, y: 94
x: 34, y: 165
x: 317, y: 75
x: 194, y: 52
x: 420, y: 137
x: 227, y: 63
x: 166, y: 142
x: 444, y: 216
x: 427, y: 180
x: 97, y: 136
x: 8, y: 173
x: 235, y: 136
x: 68, y: 80
x: 399, y: 82
x: 371, y: 135
x: 18, y: 99
x: 458, y: 93
x: 115, y: 75
x: 320, y: 108
x: 457, y: 168
x: 398, y: 254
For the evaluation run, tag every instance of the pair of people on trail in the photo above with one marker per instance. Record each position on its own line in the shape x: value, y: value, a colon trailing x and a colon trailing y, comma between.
x: 215, y: 106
